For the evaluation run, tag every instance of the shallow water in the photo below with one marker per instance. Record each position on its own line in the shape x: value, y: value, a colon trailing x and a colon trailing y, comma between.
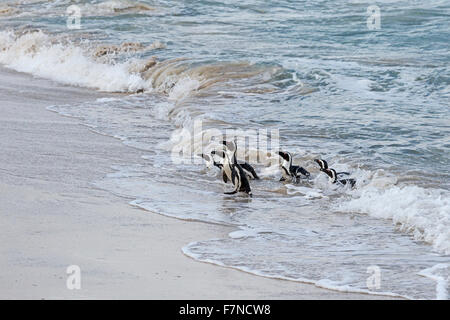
x: 372, y: 102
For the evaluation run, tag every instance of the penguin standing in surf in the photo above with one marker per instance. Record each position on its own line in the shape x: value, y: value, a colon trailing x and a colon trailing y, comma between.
x: 233, y: 172
x: 324, y: 166
x: 334, y: 178
x: 290, y: 171
x: 231, y: 147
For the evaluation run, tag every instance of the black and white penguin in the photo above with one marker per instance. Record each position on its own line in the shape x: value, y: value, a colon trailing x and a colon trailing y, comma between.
x: 334, y: 178
x: 324, y: 166
x: 249, y: 171
x: 288, y: 170
x: 233, y: 172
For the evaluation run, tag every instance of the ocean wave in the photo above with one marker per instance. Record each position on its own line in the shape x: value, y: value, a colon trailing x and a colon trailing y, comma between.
x: 118, y: 67
x: 115, y: 7
x: 56, y: 8
x: 424, y: 213
x: 39, y: 54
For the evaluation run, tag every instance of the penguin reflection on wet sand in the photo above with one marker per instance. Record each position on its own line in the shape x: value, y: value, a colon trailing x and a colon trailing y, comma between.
x: 233, y: 172
x: 290, y: 171
x: 334, y: 178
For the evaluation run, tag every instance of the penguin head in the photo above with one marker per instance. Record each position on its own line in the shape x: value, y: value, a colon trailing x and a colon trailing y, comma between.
x: 230, y: 149
x: 322, y: 163
x: 287, y: 157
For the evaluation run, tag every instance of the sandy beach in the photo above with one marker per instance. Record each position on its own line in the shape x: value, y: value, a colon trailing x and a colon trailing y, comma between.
x: 52, y: 216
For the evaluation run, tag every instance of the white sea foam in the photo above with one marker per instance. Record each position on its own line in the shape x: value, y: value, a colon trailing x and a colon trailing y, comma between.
x: 36, y: 53
x: 246, y: 232
x: 106, y: 99
x: 114, y: 7
x: 423, y: 212
x: 333, y: 285
x: 117, y: 6
x: 308, y: 193
x: 62, y: 60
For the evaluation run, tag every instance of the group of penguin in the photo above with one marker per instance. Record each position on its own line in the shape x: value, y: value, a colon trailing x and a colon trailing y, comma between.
x: 239, y: 173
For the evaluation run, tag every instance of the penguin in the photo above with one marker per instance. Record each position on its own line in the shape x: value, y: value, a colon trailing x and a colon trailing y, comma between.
x: 249, y: 171
x: 290, y: 171
x: 324, y: 166
x: 234, y: 172
x: 334, y: 178
x: 210, y: 161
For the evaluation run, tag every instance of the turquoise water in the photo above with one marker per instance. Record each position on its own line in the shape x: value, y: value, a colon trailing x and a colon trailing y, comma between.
x: 372, y: 102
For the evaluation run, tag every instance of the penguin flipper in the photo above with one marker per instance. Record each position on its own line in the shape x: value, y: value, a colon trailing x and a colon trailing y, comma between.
x: 224, y: 177
x: 303, y: 171
x: 250, y: 169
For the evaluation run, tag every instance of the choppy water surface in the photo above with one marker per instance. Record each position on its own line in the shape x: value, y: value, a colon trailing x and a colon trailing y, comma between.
x: 372, y: 102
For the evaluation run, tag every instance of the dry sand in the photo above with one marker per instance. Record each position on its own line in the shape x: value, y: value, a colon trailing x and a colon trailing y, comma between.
x: 51, y: 216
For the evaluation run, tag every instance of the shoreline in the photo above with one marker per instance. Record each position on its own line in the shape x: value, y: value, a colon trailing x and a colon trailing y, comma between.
x: 53, y: 216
